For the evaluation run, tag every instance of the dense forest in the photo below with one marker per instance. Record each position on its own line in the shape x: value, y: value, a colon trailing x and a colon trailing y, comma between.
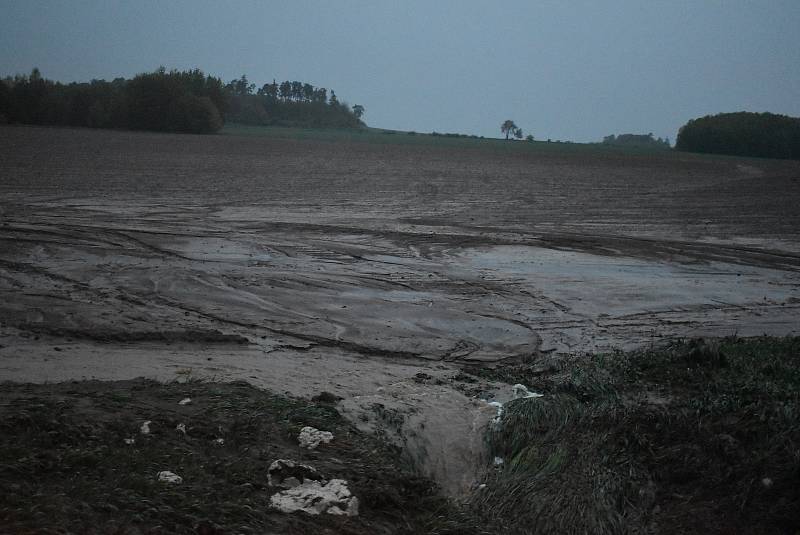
x: 763, y: 135
x: 170, y: 101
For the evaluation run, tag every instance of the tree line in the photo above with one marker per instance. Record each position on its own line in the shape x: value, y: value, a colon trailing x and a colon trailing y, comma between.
x: 764, y: 135
x: 637, y: 140
x: 170, y: 101
x: 289, y: 104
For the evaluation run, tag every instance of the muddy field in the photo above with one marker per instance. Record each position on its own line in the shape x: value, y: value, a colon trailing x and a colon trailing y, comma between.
x: 376, y: 271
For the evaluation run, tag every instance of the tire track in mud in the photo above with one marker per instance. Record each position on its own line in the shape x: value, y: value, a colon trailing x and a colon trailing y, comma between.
x: 601, y: 244
x: 148, y: 301
x: 595, y: 243
x: 131, y: 245
x: 428, y: 269
x: 317, y: 340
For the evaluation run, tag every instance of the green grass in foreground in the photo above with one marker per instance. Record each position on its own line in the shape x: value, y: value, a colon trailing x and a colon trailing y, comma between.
x: 696, y: 437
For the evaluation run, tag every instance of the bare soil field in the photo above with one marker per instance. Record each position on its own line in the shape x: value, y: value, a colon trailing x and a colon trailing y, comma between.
x: 377, y: 271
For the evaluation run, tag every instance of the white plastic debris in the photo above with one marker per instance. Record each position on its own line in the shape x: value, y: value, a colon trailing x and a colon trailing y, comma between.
x: 170, y: 477
x: 498, y: 461
x: 521, y: 392
x: 767, y: 483
x: 316, y: 497
x: 145, y: 429
x: 181, y: 428
x: 185, y: 401
x: 130, y: 441
x: 219, y: 441
x: 311, y: 437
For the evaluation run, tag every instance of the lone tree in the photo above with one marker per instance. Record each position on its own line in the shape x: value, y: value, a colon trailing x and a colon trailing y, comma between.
x: 358, y: 111
x: 509, y: 128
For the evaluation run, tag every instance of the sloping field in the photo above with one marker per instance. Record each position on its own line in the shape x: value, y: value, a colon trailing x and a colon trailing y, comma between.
x: 376, y: 271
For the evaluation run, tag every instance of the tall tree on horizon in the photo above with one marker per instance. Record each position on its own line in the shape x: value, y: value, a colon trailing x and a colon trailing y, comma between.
x: 508, y: 128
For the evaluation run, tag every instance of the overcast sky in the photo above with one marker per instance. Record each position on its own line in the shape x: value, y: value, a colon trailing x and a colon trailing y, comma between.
x: 562, y: 70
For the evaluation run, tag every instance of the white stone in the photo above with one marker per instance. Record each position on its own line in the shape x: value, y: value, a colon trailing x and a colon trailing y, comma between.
x: 219, y: 441
x: 129, y: 441
x: 311, y: 437
x: 170, y: 477
x: 181, y: 428
x: 145, y: 429
x: 185, y: 401
x: 498, y: 461
x: 317, y: 497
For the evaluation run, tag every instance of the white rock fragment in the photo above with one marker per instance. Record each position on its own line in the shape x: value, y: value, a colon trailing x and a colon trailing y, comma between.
x: 181, y: 428
x: 145, y: 429
x: 767, y: 483
x: 219, y: 441
x: 130, y: 441
x: 316, y: 497
x: 522, y: 392
x: 185, y: 401
x: 306, y: 490
x: 311, y: 437
x: 498, y: 461
x: 170, y: 477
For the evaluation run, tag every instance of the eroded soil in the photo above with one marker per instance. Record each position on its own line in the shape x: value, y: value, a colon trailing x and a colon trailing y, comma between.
x: 304, y: 266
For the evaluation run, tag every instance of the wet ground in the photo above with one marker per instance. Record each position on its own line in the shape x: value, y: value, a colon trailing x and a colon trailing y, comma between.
x: 304, y: 266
